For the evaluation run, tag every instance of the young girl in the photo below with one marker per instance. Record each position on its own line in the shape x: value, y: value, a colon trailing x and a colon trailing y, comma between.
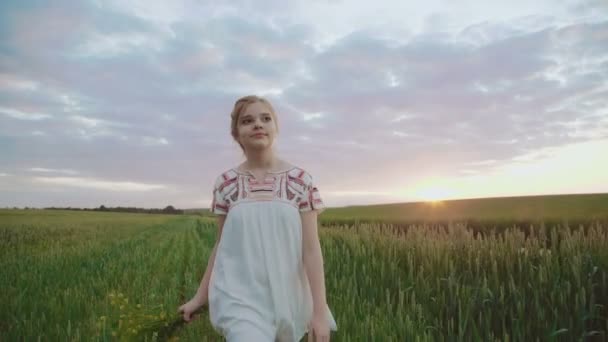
x: 265, y: 279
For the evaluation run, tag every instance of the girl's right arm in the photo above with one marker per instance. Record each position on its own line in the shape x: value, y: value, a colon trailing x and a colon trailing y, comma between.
x: 202, y: 294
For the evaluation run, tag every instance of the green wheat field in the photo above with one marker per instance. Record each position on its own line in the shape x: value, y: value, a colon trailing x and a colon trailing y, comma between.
x: 504, y: 269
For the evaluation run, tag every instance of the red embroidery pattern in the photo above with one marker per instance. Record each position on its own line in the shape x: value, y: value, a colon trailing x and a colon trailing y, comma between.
x: 223, y: 207
x: 294, y: 186
x: 226, y: 183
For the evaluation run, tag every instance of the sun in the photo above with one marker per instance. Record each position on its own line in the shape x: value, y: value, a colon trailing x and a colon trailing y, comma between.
x: 434, y: 194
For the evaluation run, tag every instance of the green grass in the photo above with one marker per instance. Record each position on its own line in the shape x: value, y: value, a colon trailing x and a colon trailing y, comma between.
x: 428, y: 282
x: 59, y: 267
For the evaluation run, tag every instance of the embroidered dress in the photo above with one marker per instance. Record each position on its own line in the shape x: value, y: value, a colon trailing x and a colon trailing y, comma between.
x: 258, y: 275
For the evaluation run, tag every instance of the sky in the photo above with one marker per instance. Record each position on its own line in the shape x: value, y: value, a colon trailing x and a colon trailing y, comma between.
x: 127, y: 103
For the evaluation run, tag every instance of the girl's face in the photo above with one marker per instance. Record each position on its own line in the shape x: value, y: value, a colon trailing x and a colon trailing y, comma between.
x: 256, y: 127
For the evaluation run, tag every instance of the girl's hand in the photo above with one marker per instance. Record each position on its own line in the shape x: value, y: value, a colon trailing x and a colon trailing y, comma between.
x: 318, y: 329
x: 190, y: 308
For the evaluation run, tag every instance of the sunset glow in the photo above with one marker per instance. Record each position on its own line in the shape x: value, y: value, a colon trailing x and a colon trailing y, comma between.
x: 436, y: 194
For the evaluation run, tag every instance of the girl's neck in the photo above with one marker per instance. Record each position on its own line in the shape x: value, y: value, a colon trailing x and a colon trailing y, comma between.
x: 261, y: 160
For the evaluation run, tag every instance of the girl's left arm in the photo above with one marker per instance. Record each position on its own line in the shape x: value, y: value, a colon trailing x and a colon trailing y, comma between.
x: 313, y: 260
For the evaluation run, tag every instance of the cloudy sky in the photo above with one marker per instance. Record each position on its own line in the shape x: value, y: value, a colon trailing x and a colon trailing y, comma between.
x: 128, y: 102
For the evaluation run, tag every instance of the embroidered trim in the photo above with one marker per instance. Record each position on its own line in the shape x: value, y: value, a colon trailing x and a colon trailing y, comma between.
x: 236, y: 187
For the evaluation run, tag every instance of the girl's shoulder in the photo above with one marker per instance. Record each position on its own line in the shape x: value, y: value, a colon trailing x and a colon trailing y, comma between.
x: 300, y: 176
x: 226, y: 177
x: 297, y: 172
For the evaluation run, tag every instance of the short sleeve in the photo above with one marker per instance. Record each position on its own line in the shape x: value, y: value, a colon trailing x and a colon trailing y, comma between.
x: 312, y: 197
x: 219, y: 205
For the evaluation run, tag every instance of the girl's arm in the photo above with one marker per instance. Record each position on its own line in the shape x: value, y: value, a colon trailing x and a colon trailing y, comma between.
x: 313, y: 260
x: 202, y: 294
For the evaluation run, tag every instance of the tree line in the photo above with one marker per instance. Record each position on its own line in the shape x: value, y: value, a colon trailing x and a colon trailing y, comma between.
x: 167, y: 210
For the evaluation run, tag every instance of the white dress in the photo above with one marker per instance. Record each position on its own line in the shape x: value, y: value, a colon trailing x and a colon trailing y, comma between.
x: 258, y: 274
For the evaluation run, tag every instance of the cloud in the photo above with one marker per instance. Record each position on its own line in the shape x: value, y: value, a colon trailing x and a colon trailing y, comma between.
x: 99, y: 184
x: 17, y: 114
x: 441, y: 83
x: 155, y: 141
x: 47, y: 170
x: 143, y: 90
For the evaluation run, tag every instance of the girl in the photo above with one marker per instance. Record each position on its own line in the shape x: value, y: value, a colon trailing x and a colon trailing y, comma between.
x: 265, y: 279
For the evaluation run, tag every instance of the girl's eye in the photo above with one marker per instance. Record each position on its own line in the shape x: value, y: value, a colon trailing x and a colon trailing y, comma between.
x: 266, y: 119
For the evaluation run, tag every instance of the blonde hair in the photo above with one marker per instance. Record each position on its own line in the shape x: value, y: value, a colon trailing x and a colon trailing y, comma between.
x: 239, y: 108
